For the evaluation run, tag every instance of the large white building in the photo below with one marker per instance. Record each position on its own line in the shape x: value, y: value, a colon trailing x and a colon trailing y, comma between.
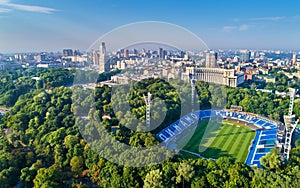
x: 226, y: 77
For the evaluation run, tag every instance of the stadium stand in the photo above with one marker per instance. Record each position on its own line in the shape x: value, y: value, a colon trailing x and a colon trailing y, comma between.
x: 264, y: 141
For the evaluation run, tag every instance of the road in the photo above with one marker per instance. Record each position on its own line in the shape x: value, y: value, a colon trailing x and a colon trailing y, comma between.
x: 4, y: 110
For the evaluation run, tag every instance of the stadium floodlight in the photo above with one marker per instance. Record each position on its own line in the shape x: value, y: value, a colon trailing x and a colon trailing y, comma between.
x: 193, y: 84
x: 148, y: 109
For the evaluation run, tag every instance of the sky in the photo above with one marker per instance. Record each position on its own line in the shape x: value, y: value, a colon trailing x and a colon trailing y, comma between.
x: 52, y: 25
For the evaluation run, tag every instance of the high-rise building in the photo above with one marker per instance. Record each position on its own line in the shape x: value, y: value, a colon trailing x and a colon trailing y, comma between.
x: 103, y: 59
x: 211, y: 59
x: 186, y: 56
x: 126, y: 53
x: 182, y: 54
x: 67, y: 52
x: 76, y: 53
x: 44, y: 56
x: 95, y: 57
x: 294, y: 58
x: 161, y: 53
x: 166, y: 54
x: 245, y: 56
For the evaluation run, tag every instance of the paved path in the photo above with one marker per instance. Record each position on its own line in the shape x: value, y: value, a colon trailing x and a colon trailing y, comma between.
x: 4, y: 110
x: 197, y: 154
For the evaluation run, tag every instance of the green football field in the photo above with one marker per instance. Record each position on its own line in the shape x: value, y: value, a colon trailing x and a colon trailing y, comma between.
x: 213, y: 139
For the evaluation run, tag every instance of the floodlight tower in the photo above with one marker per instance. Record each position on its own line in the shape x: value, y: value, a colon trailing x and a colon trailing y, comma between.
x: 148, y: 109
x: 290, y: 124
x: 193, y: 84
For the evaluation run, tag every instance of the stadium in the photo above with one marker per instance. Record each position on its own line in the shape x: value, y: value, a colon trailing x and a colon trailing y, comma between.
x: 249, y: 137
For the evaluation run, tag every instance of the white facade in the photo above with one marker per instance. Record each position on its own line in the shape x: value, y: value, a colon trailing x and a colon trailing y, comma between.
x: 220, y: 76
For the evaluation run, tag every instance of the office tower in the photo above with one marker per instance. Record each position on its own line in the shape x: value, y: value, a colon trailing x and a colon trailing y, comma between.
x: 103, y: 60
x: 44, y: 56
x: 245, y: 56
x: 126, y: 54
x: 161, y: 53
x: 211, y: 59
x: 95, y: 57
x: 252, y: 54
x: 76, y: 53
x: 67, y: 52
x: 182, y: 54
x: 165, y: 54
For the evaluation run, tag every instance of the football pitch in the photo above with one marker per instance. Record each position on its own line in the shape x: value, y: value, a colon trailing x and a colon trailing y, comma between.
x: 213, y: 139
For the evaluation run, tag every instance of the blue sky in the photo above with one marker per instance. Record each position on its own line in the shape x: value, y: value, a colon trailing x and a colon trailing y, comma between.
x: 51, y: 25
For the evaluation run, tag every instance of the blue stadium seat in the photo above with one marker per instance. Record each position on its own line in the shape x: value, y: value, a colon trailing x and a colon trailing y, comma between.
x: 264, y: 137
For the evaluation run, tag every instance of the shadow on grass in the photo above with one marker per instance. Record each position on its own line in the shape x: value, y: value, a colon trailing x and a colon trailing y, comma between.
x: 209, y: 153
x: 219, y: 135
x: 215, y: 153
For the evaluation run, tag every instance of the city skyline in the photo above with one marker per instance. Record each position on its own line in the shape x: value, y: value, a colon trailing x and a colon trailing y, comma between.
x: 31, y: 26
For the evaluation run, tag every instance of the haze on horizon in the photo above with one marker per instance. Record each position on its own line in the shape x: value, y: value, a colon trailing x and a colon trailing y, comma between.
x: 52, y: 25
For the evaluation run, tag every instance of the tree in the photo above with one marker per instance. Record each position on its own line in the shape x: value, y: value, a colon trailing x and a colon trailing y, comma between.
x: 297, y: 143
x: 76, y: 164
x: 272, y: 161
x: 253, y: 86
x: 48, y: 177
x: 7, y: 177
x: 27, y: 176
x: 185, y: 172
x: 153, y: 179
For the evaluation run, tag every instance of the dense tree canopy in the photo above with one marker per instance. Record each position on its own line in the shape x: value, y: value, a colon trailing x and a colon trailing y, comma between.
x: 41, y: 145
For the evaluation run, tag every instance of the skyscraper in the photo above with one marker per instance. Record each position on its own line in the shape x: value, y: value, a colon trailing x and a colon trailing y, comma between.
x: 211, y: 59
x: 103, y: 60
x: 294, y: 58
x: 245, y: 56
x: 94, y: 55
x: 161, y: 53
x: 126, y: 53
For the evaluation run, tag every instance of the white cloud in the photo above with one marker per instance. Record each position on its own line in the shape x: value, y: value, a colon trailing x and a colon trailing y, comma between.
x: 3, y: 10
x: 28, y: 8
x: 266, y: 19
x: 244, y: 27
x: 229, y: 28
x: 276, y: 18
x: 4, y: 1
x: 32, y: 8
